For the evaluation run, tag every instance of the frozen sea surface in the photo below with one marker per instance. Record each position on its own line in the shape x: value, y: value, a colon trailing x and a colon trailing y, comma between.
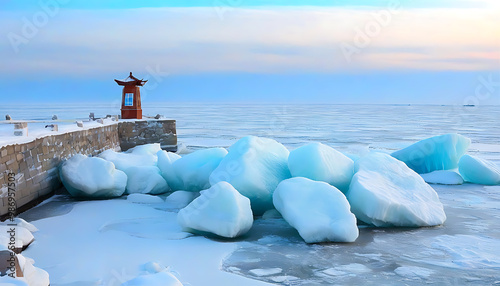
x: 112, y: 239
x: 122, y: 236
x: 346, y: 127
x: 465, y: 250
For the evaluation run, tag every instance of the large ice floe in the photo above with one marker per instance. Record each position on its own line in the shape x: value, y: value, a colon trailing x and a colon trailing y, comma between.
x: 91, y: 177
x: 479, y: 171
x: 385, y: 192
x: 220, y: 210
x: 436, y: 153
x: 254, y: 166
x: 194, y: 169
x: 320, y: 162
x: 319, y: 211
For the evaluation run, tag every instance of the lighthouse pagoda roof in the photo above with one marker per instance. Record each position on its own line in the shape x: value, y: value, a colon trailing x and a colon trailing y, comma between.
x: 131, y: 80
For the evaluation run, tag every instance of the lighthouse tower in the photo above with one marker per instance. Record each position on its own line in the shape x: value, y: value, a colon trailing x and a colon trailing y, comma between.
x: 131, y: 97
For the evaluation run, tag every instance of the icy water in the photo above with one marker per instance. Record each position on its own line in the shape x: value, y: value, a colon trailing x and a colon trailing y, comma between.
x: 464, y: 251
x: 342, y: 126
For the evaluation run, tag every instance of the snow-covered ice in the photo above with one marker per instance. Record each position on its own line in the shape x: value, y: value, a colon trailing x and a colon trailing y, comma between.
x: 443, y: 177
x: 320, y: 162
x: 150, y: 234
x: 194, y: 169
x: 254, y: 166
x: 319, y: 211
x: 8, y: 281
x: 157, y: 279
x: 479, y: 171
x: 111, y: 239
x: 385, y: 192
x: 435, y: 153
x: 220, y: 210
x: 92, y: 177
x: 114, y: 237
x: 145, y: 180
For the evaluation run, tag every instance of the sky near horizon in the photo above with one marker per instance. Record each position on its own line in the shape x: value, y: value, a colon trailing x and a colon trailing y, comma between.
x: 316, y: 51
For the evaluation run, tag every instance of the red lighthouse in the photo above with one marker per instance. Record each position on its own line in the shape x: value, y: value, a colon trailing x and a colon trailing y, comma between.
x: 131, y: 97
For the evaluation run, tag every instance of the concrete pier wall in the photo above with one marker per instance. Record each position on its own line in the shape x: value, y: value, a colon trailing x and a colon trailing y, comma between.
x: 32, y: 168
x: 148, y: 131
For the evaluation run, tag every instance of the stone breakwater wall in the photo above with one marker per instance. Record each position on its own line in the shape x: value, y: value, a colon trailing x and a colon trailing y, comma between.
x: 29, y: 172
x: 133, y: 133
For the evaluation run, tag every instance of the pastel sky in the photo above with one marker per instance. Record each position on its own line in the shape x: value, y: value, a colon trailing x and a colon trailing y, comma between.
x: 316, y: 51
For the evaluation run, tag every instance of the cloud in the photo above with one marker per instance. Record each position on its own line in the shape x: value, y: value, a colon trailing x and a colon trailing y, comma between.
x: 259, y: 40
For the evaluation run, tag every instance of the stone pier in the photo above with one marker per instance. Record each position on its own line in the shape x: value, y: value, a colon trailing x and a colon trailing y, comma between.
x: 139, y: 132
x: 32, y: 168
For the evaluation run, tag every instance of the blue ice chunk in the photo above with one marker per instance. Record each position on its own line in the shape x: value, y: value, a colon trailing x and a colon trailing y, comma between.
x: 254, y: 166
x: 435, y: 153
x: 320, y: 162
x: 479, y: 171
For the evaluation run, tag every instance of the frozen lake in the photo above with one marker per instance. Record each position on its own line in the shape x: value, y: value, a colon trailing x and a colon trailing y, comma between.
x: 117, y: 236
